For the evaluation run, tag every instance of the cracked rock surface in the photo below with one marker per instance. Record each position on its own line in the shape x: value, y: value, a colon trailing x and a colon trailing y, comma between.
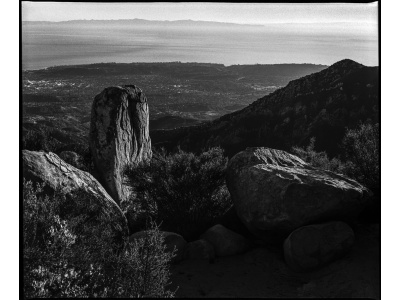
x: 119, y: 134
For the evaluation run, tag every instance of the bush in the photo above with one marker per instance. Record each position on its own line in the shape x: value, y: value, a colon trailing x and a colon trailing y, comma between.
x: 360, y: 162
x: 60, y: 262
x: 319, y: 159
x: 39, y: 140
x: 361, y: 148
x: 185, y: 192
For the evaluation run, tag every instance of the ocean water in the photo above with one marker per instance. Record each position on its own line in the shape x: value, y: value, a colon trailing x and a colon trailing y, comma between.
x: 65, y: 44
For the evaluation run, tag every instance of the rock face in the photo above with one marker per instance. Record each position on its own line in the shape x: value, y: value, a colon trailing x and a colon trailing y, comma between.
x: 200, y: 250
x: 312, y: 246
x: 275, y: 192
x: 225, y: 241
x: 48, y: 168
x: 172, y: 241
x: 119, y: 134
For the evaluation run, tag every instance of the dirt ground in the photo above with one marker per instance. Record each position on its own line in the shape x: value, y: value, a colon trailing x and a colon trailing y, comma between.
x: 262, y: 272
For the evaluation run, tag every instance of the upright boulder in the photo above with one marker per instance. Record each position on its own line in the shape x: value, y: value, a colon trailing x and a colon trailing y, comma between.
x: 84, y: 194
x: 275, y: 192
x: 119, y: 134
x: 313, y: 246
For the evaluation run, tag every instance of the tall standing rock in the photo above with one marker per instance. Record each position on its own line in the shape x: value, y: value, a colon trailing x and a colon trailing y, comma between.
x: 119, y: 134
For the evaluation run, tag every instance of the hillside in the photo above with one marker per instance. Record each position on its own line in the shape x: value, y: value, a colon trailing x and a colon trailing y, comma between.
x: 180, y: 94
x: 320, y: 105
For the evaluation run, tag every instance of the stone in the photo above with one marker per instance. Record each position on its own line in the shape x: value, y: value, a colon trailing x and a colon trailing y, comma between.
x: 119, y: 135
x: 225, y: 241
x: 275, y: 192
x: 313, y: 246
x: 57, y: 175
x: 171, y: 240
x: 199, y: 250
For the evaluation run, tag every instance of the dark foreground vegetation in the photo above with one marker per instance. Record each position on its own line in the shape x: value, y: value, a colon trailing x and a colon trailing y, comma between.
x: 184, y: 191
x: 66, y: 257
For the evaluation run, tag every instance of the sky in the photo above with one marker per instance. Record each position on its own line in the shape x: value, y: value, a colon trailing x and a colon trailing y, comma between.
x: 241, y: 13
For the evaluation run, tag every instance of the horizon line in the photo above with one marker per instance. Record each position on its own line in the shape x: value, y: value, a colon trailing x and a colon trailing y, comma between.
x: 204, y: 21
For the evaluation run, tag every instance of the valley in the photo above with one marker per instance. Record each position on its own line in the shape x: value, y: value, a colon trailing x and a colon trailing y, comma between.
x: 179, y: 94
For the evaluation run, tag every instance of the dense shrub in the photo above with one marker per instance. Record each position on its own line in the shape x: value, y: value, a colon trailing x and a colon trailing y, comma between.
x: 319, y: 159
x: 39, y: 140
x: 361, y: 147
x: 360, y: 159
x: 59, y: 262
x: 184, y: 191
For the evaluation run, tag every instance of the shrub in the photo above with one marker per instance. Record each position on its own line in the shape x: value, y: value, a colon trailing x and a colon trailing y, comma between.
x: 361, y: 148
x: 60, y: 262
x: 319, y: 159
x: 39, y: 140
x: 185, y: 192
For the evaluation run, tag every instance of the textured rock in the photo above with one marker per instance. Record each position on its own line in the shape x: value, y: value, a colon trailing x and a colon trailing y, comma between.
x: 201, y: 250
x: 172, y: 241
x: 312, y: 246
x: 275, y: 192
x: 225, y: 241
x: 119, y: 134
x: 48, y: 168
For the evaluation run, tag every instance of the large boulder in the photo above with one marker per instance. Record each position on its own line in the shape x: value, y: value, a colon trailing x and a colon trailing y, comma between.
x: 119, y: 134
x: 313, y: 246
x: 275, y: 192
x: 225, y: 241
x: 84, y: 194
x: 171, y: 241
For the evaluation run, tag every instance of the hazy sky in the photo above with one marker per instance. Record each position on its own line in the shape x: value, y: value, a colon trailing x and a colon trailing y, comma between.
x: 253, y: 13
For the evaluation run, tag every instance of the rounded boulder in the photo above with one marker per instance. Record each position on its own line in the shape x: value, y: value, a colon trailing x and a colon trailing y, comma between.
x: 313, y: 246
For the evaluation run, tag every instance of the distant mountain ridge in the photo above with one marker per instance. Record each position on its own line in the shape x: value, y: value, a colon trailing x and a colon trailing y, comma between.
x: 137, y: 21
x: 320, y: 105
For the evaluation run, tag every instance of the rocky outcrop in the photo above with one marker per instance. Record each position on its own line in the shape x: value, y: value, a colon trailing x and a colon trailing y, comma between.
x: 275, y: 192
x: 84, y: 193
x: 119, y: 134
x: 199, y: 250
x: 225, y: 241
x: 313, y: 246
x: 171, y: 240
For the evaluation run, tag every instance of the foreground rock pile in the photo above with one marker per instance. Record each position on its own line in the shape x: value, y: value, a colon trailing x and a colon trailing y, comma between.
x: 277, y: 194
x: 278, y: 198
